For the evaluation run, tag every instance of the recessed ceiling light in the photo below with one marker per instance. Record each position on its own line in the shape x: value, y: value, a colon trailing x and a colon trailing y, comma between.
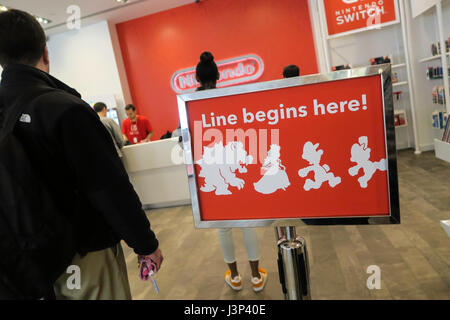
x: 3, y: 8
x: 42, y: 20
x: 122, y: 1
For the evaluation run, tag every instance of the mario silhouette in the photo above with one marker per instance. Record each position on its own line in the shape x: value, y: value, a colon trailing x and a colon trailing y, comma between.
x: 321, y: 172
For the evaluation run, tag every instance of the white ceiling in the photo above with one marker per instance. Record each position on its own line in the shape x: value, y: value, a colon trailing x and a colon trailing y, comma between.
x: 92, y: 11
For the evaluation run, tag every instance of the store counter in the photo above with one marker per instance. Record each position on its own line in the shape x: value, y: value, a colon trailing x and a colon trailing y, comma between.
x: 158, y: 181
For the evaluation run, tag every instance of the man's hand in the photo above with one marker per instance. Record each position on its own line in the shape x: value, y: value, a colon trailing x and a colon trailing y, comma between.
x: 156, y: 257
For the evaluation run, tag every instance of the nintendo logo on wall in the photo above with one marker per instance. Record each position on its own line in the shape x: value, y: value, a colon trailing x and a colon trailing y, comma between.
x: 232, y: 71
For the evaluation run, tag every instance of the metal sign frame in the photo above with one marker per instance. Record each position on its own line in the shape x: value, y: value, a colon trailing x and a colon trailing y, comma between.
x: 386, y: 83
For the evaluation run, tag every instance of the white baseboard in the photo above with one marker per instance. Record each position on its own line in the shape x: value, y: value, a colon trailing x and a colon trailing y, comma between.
x: 427, y: 147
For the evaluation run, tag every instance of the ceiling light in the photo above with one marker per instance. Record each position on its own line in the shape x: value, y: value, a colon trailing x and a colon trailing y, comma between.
x: 122, y: 1
x: 3, y: 8
x: 42, y: 20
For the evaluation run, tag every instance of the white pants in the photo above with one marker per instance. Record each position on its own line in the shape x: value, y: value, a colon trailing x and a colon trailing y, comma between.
x: 227, y: 244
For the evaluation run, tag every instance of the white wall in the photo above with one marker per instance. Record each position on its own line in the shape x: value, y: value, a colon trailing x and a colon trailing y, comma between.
x: 425, y: 31
x: 357, y: 49
x: 85, y: 60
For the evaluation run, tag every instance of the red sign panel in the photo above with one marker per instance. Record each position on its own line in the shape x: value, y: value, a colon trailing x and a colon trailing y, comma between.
x: 347, y: 16
x: 310, y: 151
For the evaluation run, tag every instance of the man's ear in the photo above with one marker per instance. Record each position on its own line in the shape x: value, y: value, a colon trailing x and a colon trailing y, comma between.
x: 218, y: 75
x: 46, y: 57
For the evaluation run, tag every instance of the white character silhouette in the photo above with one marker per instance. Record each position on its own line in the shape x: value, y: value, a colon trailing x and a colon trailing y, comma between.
x: 321, y: 172
x: 219, y: 164
x: 274, y: 173
x: 361, y: 155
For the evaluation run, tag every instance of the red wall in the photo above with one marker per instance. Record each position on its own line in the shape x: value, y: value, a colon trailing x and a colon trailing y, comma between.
x: 156, y: 46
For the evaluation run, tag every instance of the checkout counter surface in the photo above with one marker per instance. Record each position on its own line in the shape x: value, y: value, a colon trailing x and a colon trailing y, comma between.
x: 157, y: 179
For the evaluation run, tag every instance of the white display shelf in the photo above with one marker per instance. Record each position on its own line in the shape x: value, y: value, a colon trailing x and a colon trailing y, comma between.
x: 446, y: 225
x: 402, y: 126
x: 396, y: 66
x: 436, y: 78
x: 398, y: 84
x: 433, y: 58
x: 442, y: 150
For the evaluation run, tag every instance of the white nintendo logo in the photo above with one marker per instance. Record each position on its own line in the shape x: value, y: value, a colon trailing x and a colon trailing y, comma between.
x: 233, y: 71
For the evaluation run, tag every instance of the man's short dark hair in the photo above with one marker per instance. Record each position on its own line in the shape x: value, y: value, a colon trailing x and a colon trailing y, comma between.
x: 130, y: 107
x: 99, y: 107
x: 22, y: 39
x: 291, y: 71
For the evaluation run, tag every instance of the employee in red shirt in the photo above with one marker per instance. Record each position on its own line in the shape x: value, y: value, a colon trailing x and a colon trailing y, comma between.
x: 136, y: 128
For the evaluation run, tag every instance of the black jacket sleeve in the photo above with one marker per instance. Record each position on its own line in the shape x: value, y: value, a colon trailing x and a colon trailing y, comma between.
x: 101, y: 177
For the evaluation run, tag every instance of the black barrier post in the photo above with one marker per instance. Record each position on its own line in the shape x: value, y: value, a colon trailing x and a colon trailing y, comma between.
x: 293, y: 264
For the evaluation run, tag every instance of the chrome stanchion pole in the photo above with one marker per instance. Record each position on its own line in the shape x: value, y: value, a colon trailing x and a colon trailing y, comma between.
x: 293, y: 264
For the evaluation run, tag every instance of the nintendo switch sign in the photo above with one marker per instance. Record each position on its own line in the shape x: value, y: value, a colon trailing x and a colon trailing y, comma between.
x: 232, y: 71
x: 314, y: 147
x: 350, y: 16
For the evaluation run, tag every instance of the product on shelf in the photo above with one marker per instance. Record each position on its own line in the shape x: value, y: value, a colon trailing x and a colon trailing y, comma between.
x: 436, y: 47
x: 434, y: 94
x: 341, y: 67
x: 441, y: 95
x: 443, y: 117
x: 395, y: 77
x: 400, y: 118
x: 435, y: 73
x: 381, y: 60
x: 446, y: 136
x: 438, y: 95
x: 435, y: 120
x: 397, y: 94
x: 439, y: 119
x: 396, y: 120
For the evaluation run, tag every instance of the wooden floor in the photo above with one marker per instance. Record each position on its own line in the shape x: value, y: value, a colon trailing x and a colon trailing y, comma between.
x: 414, y: 257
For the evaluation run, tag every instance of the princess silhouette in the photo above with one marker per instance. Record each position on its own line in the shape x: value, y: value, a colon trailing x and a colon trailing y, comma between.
x: 274, y: 173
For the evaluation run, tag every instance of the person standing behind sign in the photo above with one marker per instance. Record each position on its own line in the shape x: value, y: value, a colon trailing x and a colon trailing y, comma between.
x: 207, y: 74
x: 136, y: 128
x: 291, y: 71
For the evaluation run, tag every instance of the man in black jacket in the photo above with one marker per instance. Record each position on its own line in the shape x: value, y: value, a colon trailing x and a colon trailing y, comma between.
x: 75, y: 155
